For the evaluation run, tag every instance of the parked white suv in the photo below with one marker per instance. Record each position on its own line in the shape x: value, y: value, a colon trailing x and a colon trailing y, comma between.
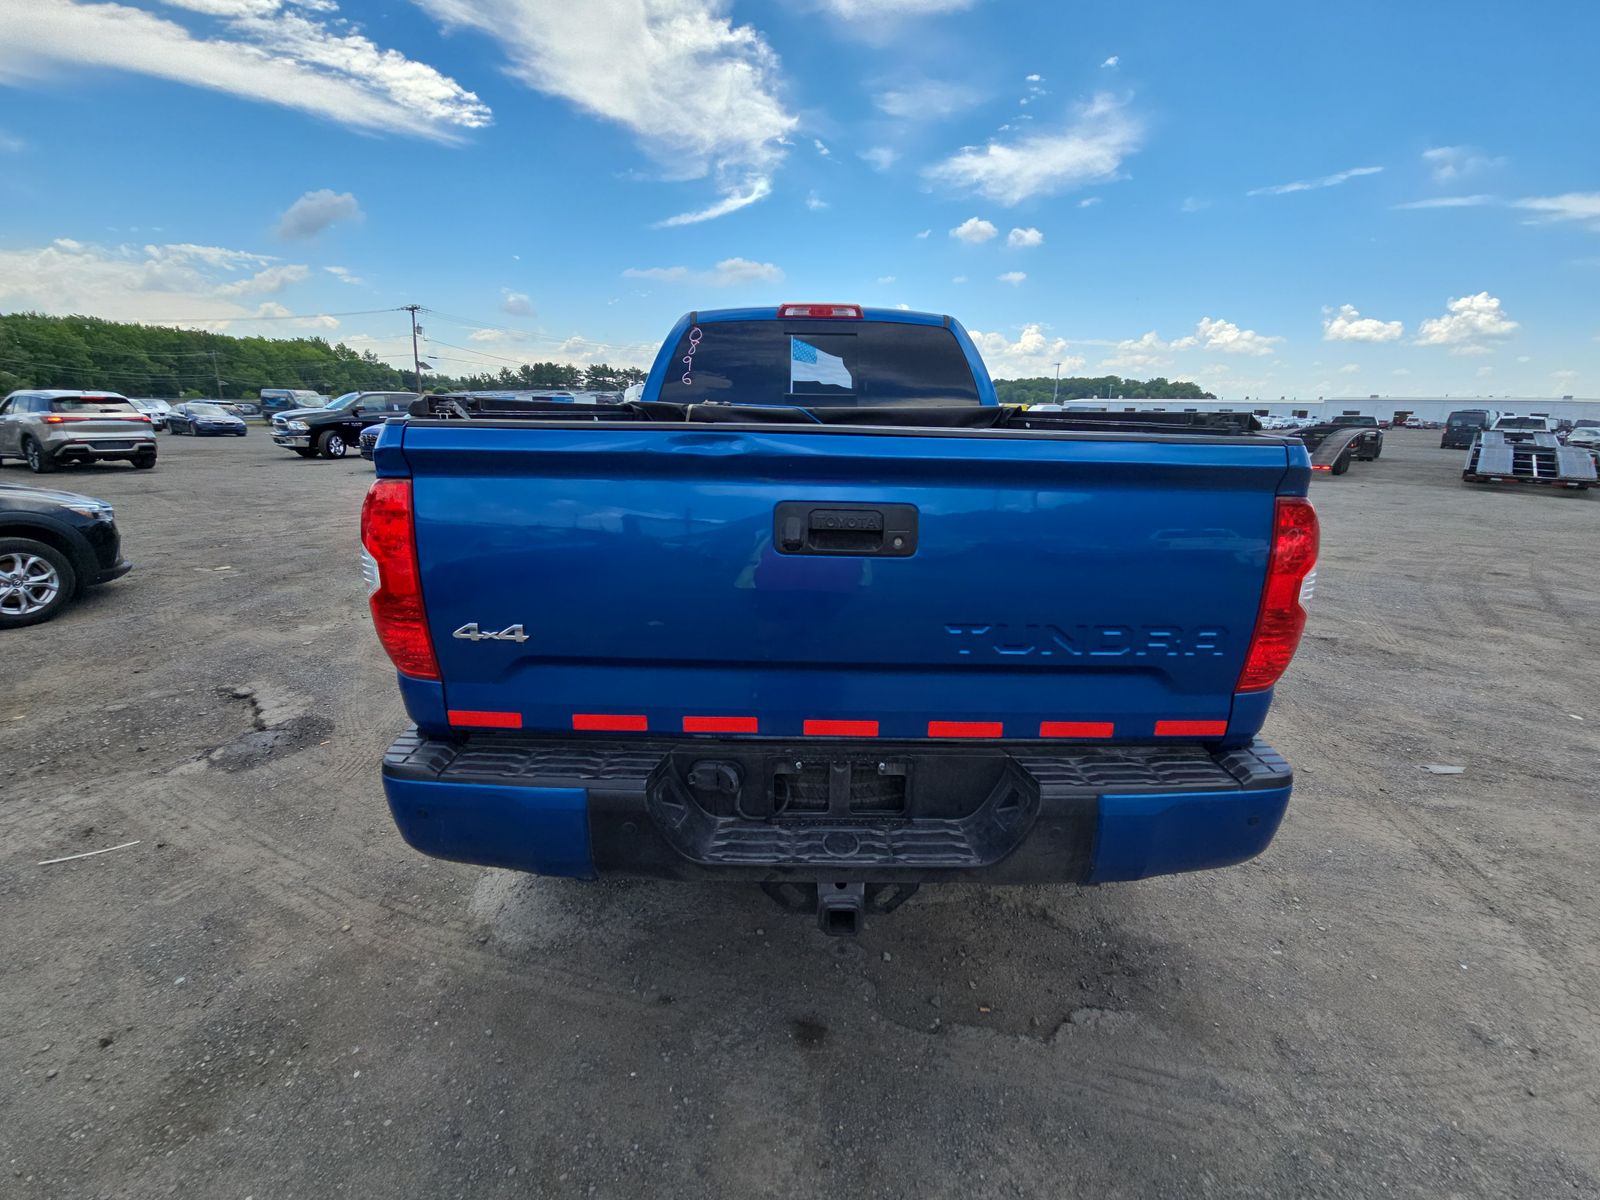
x: 51, y: 427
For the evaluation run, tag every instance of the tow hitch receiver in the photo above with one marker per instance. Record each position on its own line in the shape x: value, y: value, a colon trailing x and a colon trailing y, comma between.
x: 841, y: 906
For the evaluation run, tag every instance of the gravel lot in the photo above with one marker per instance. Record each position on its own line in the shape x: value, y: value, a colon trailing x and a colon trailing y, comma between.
x: 272, y: 996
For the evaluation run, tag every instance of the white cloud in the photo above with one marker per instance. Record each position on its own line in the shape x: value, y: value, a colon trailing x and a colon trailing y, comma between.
x: 214, y: 256
x: 958, y: 279
x: 344, y: 275
x: 1012, y: 277
x: 1031, y: 356
x: 201, y: 285
x: 1137, y: 353
x: 1225, y: 336
x: 974, y: 230
x: 1112, y: 61
x: 760, y: 188
x: 1484, y: 372
x: 267, y: 282
x: 815, y: 202
x: 1307, y: 185
x: 11, y: 144
x: 822, y: 148
x: 727, y: 273
x: 879, y: 158
x: 1570, y: 206
x: 1022, y: 239
x: 1193, y: 204
x: 525, y: 347
x: 272, y: 54
x: 926, y: 99
x: 1448, y: 202
x: 1088, y: 201
x: 1348, y: 325
x: 1350, y: 369
x: 923, y: 236
x: 1448, y: 163
x: 317, y: 211
x: 699, y: 92
x: 272, y: 310
x: 1090, y: 149
x: 885, y: 278
x: 1470, y: 322
x: 1033, y: 78
x: 517, y: 304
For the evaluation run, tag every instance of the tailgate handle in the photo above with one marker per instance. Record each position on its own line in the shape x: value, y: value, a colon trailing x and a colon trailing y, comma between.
x: 821, y: 527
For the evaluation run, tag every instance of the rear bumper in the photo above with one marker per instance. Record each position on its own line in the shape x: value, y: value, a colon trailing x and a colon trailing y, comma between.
x: 1015, y: 813
x: 87, y: 448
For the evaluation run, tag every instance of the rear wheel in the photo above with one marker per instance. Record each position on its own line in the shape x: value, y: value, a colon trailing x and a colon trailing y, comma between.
x: 332, y: 445
x: 39, y: 462
x: 145, y: 462
x: 36, y: 582
x: 1340, y: 464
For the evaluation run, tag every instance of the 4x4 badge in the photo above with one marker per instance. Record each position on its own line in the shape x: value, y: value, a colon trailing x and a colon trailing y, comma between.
x: 471, y: 633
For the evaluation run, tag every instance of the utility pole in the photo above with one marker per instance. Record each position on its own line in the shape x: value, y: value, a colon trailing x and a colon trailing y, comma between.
x: 216, y: 374
x: 1055, y: 396
x: 416, y: 358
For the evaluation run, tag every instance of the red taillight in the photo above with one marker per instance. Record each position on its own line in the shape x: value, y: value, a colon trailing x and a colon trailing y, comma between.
x: 394, y: 584
x: 846, y: 311
x: 1291, y: 572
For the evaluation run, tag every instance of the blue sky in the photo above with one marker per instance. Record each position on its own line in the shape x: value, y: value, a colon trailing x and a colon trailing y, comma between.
x: 1273, y: 199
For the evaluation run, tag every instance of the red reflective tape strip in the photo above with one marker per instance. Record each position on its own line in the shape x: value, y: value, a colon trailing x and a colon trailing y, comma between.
x: 841, y: 728
x: 721, y: 725
x: 973, y: 729
x: 1191, y: 728
x: 486, y: 720
x: 1075, y: 729
x: 610, y: 722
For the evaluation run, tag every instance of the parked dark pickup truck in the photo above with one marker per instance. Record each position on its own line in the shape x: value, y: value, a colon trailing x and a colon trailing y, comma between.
x: 335, y: 430
x: 816, y: 612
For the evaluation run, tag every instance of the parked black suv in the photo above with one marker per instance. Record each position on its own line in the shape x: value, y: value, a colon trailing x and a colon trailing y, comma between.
x: 1463, y: 426
x: 53, y: 545
x: 334, y: 431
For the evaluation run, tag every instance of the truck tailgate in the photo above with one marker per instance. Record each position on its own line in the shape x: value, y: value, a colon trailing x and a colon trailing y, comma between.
x: 1055, y: 585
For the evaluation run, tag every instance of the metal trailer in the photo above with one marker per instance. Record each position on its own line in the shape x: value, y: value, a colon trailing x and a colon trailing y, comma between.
x: 1333, y: 450
x: 1497, y: 456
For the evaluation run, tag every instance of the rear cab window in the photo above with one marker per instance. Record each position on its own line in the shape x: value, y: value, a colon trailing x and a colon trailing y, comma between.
x: 91, y: 404
x: 810, y: 363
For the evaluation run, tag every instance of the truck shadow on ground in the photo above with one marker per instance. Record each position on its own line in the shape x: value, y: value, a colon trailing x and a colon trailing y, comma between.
x: 1023, y: 961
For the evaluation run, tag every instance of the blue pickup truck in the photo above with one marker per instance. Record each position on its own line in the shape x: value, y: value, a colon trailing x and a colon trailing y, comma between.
x: 816, y: 612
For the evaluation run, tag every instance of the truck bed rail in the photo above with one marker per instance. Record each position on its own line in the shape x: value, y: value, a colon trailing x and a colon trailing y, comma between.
x: 467, y: 407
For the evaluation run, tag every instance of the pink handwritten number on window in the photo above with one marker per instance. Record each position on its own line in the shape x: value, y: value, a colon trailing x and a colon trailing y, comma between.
x: 688, y: 359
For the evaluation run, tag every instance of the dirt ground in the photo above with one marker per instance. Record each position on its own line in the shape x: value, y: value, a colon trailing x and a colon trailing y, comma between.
x: 271, y: 996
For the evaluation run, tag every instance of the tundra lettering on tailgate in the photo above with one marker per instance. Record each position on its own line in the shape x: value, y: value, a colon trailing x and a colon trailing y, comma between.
x: 1093, y: 641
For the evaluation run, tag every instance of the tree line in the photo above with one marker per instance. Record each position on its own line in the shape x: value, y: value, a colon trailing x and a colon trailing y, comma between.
x: 155, y: 360
x: 1105, y: 387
